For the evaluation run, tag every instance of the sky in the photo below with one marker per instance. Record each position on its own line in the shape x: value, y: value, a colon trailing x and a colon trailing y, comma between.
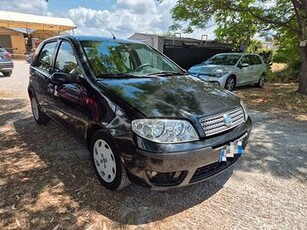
x: 122, y: 17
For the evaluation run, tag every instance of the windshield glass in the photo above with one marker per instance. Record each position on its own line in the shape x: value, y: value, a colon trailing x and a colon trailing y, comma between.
x: 225, y: 59
x: 116, y: 58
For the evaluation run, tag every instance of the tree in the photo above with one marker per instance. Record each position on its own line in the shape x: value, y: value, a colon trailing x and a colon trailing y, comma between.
x: 239, y: 20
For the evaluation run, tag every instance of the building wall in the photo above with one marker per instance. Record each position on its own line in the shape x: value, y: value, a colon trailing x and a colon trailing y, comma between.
x: 18, y: 44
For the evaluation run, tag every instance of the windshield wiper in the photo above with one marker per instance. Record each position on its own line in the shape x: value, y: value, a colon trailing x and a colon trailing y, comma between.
x: 167, y: 73
x: 115, y: 75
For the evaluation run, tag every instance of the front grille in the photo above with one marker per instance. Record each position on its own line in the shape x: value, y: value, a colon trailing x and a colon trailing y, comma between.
x: 215, y: 124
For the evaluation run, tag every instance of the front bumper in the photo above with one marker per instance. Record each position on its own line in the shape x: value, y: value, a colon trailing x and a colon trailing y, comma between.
x: 181, y: 168
x: 220, y: 81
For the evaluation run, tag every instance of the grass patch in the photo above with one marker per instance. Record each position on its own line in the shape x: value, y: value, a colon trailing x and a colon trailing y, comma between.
x: 274, y: 97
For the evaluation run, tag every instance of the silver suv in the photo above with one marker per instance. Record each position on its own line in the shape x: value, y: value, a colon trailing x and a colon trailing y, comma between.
x: 232, y: 69
x: 6, y: 63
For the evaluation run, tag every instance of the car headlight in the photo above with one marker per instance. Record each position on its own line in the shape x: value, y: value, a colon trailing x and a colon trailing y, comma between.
x: 219, y: 73
x: 165, y: 130
x: 244, y: 110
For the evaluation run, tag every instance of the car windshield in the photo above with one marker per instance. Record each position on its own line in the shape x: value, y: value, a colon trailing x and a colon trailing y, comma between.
x: 118, y: 59
x: 224, y: 59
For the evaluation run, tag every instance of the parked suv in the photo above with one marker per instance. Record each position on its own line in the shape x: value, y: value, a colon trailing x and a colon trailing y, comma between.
x: 229, y: 70
x: 142, y: 117
x: 6, y: 63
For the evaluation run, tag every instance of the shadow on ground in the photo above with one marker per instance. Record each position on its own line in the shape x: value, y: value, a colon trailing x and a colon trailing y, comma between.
x: 47, y: 178
x: 278, y: 147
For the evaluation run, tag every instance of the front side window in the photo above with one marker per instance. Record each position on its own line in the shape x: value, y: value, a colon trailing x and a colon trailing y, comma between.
x: 108, y: 57
x: 66, y: 61
x: 223, y: 59
x: 246, y: 60
x: 45, y: 57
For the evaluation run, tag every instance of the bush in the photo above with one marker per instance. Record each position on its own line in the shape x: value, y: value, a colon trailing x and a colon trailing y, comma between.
x: 287, y: 75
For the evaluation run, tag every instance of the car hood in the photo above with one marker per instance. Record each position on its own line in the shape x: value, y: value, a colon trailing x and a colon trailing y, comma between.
x: 209, y: 69
x: 174, y: 96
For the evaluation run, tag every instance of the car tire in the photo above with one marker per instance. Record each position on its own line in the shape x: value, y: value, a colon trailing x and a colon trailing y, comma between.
x: 230, y: 83
x: 7, y: 73
x: 39, y: 116
x: 107, y: 162
x: 261, y: 81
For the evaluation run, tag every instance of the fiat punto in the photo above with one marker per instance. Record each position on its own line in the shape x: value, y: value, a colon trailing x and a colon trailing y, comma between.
x: 143, y: 118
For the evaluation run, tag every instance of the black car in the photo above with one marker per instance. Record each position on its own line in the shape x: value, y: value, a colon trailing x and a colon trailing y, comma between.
x: 142, y: 117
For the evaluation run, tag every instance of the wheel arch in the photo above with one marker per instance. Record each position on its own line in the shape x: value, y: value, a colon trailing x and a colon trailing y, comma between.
x: 90, y: 131
x: 234, y: 76
x: 30, y: 92
x: 231, y: 75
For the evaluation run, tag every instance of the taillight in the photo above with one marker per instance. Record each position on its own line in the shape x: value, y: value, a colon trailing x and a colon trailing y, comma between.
x: 7, y: 55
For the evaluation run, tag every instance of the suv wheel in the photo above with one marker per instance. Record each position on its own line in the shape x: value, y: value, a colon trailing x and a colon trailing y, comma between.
x: 39, y: 116
x: 107, y: 163
x: 7, y: 73
x: 230, y: 83
x: 261, y: 81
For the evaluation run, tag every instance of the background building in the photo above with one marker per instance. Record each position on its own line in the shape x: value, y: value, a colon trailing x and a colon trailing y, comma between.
x: 186, y: 52
x: 21, y: 33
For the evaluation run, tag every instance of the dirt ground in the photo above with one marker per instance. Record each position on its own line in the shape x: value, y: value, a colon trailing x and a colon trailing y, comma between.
x: 46, y: 179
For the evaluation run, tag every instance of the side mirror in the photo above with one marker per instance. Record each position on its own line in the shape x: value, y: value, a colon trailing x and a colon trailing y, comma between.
x: 242, y: 65
x: 61, y: 78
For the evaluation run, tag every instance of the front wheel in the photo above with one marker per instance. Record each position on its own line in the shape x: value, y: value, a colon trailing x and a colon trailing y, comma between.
x: 230, y: 83
x: 107, y: 162
x: 7, y: 73
x: 39, y: 116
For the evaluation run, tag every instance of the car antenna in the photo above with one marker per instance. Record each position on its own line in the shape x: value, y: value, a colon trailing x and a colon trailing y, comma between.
x: 105, y: 26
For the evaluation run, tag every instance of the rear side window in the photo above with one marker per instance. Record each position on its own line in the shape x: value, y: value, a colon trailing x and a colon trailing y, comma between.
x: 45, y: 57
x: 256, y: 60
x: 66, y: 61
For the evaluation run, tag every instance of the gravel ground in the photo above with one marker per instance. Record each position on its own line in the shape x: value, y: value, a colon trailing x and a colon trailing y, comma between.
x: 46, y: 180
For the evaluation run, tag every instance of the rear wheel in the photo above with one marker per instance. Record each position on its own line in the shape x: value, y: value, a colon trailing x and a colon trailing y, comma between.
x: 230, y: 83
x: 107, y: 162
x: 39, y: 116
x: 7, y: 73
x: 261, y: 81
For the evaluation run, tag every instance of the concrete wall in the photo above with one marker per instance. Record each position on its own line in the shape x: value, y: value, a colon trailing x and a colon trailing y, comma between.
x: 18, y: 46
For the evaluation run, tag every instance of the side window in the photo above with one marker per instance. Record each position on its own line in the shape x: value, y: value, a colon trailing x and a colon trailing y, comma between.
x: 66, y: 61
x: 45, y: 56
x: 256, y: 60
x: 245, y: 59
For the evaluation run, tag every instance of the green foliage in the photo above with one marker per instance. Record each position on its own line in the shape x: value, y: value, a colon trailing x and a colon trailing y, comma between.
x: 288, y: 52
x: 235, y: 27
x: 237, y: 20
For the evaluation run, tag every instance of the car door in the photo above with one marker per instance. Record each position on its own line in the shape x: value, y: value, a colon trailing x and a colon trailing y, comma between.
x: 258, y: 68
x: 41, y: 72
x: 71, y: 104
x: 244, y: 72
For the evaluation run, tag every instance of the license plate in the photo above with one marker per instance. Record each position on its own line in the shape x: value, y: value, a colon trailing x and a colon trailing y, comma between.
x: 234, y: 148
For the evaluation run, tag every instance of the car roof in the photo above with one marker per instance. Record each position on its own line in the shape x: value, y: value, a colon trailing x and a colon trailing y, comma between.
x: 235, y: 54
x: 96, y: 38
